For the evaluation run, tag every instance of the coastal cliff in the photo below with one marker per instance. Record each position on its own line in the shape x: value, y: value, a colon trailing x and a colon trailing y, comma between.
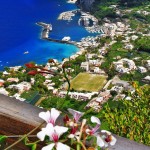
x: 85, y: 4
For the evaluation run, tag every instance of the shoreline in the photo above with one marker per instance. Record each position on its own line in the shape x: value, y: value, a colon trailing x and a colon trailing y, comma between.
x: 82, y: 44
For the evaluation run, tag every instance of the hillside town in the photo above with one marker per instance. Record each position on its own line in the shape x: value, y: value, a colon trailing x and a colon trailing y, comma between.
x: 111, y: 55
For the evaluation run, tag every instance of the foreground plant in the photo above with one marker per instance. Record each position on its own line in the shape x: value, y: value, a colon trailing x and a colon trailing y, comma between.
x: 75, y: 134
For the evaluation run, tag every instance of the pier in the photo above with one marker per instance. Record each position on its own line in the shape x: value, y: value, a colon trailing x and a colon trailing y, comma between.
x: 46, y: 29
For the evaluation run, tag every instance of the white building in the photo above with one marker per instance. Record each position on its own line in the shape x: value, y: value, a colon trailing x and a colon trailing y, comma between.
x: 13, y: 80
x: 129, y: 46
x: 3, y: 91
x: 21, y: 87
x: 78, y: 96
x: 119, y: 65
x: 16, y: 68
x: 85, y: 65
x: 141, y: 69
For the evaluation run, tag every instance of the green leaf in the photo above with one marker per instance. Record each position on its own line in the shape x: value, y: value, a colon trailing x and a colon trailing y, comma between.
x: 32, y: 146
x: 98, y: 148
x: 2, y: 138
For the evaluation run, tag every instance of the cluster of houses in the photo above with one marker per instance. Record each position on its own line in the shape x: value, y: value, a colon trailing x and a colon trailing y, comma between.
x: 88, y: 41
x: 126, y: 66
x: 96, y: 103
x: 143, y: 12
x: 78, y: 95
x: 115, y: 29
x: 92, y: 64
x: 116, y: 85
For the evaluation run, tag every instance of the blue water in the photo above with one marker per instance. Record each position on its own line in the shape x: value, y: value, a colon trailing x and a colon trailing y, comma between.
x: 18, y: 32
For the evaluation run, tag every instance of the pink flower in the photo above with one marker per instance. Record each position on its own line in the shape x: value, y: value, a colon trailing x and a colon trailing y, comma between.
x: 76, y: 114
x: 50, y: 116
x: 96, y: 128
x: 54, y: 134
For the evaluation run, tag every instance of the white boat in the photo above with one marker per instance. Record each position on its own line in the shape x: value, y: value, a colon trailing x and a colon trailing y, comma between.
x: 66, y: 38
x: 26, y: 52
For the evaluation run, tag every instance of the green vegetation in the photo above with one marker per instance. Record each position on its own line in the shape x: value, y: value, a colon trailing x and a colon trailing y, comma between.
x: 104, y: 11
x: 88, y: 82
x: 130, y: 119
x: 143, y: 44
x: 54, y: 102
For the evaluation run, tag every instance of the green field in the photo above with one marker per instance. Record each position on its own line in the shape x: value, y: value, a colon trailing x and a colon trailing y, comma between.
x: 88, y: 82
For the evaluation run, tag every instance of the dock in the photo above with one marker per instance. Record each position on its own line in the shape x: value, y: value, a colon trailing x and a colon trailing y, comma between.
x: 46, y: 29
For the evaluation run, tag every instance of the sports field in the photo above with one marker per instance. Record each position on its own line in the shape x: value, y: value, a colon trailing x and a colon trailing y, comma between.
x: 88, y: 82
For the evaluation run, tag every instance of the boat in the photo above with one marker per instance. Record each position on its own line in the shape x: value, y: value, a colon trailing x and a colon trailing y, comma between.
x: 26, y: 52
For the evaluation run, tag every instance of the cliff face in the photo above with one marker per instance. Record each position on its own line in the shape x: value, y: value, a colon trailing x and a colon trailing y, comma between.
x: 85, y: 4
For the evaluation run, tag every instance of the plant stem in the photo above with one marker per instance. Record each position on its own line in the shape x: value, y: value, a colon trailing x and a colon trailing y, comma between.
x: 16, y: 136
x: 65, y: 75
x: 79, y: 140
x: 24, y: 136
x: 78, y: 146
x: 82, y: 145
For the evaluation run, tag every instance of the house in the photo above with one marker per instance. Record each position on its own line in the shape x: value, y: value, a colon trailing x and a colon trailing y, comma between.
x: 78, y: 96
x: 16, y: 68
x: 105, y: 95
x: 146, y: 79
x: 5, y: 73
x: 134, y: 37
x: 129, y: 46
x: 141, y: 69
x: 85, y: 65
x: 13, y: 80
x: 3, y: 91
x: 21, y: 87
x: 102, y: 51
x: 98, y: 70
x: 94, y: 62
x: 32, y: 81
x: 17, y: 96
x: 96, y: 105
x: 148, y: 64
x: 120, y: 65
x: 118, y: 89
x: 1, y: 82
x: 90, y: 56
x: 119, y: 97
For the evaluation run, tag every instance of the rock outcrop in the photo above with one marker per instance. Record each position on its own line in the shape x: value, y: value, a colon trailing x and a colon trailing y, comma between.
x: 85, y: 4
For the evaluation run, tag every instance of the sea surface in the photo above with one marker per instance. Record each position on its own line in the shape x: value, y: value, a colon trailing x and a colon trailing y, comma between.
x: 19, y: 33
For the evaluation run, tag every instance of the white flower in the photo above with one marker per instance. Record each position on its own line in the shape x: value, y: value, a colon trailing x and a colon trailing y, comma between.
x: 94, y: 130
x: 108, y: 138
x: 54, y: 134
x: 50, y: 116
x: 100, y: 141
x: 76, y: 114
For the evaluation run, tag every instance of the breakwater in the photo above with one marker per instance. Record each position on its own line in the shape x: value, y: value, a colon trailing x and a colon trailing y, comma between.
x: 46, y: 29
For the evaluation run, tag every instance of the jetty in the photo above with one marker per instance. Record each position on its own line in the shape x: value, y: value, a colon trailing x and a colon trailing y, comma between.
x: 46, y: 29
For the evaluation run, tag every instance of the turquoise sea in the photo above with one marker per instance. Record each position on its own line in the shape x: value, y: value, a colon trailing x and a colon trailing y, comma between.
x: 19, y: 33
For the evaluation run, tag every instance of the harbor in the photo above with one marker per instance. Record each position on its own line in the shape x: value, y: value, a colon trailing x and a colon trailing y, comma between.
x: 90, y: 41
x: 46, y: 29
